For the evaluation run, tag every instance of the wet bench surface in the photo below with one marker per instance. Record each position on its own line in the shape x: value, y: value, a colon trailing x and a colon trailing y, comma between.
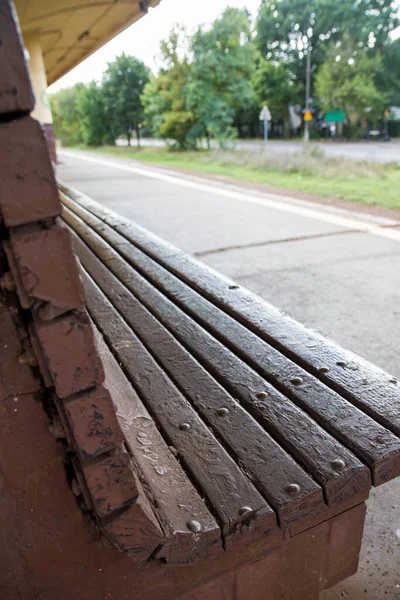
x: 275, y: 427
x: 207, y: 446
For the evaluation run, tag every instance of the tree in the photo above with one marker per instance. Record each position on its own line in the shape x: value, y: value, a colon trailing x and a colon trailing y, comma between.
x: 223, y: 63
x: 92, y: 114
x: 274, y: 87
x: 388, y: 78
x: 164, y: 97
x: 64, y: 107
x: 122, y: 88
x: 346, y: 81
x: 287, y: 29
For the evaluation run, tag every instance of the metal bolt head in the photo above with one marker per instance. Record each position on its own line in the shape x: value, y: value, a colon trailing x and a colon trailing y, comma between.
x: 184, y: 426
x: 293, y: 489
x: 222, y: 412
x: 262, y: 395
x: 194, y: 526
x: 338, y: 464
x: 341, y: 363
x: 245, y: 510
x: 297, y: 380
x: 324, y: 370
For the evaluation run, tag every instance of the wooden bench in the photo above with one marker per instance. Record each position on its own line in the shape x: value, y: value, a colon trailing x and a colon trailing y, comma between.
x: 170, y: 434
x: 279, y: 430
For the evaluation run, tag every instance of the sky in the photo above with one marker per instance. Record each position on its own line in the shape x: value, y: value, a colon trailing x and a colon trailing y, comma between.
x: 143, y: 38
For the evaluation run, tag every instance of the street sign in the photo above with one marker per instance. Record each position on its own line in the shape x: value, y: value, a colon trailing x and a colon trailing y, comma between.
x: 265, y: 115
x: 335, y: 116
x: 308, y: 115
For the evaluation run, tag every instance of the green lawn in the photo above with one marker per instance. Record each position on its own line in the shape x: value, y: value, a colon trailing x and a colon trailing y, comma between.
x: 309, y: 171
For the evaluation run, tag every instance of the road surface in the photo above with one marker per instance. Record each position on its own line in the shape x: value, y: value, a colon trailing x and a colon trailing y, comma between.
x: 385, y: 152
x: 335, y: 270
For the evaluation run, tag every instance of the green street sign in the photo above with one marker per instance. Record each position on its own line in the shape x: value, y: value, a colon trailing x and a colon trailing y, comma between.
x: 335, y: 116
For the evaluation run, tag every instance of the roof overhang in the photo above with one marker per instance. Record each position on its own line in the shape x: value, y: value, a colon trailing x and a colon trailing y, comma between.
x: 71, y: 30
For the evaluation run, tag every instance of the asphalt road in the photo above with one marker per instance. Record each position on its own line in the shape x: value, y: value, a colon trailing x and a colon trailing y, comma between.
x: 335, y: 270
x: 372, y: 151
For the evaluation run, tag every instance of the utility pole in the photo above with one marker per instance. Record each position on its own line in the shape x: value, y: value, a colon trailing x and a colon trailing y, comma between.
x: 308, y: 85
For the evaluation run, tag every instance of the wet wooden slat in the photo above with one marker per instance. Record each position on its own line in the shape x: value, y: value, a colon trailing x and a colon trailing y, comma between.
x: 366, y: 386
x: 294, y: 429
x: 272, y: 470
x: 173, y: 497
x: 216, y: 474
x: 375, y: 445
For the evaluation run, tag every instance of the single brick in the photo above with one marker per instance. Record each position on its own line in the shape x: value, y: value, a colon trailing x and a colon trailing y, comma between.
x: 111, y: 483
x: 28, y: 190
x: 16, y: 93
x: 93, y: 422
x: 48, y: 269
x: 70, y: 353
x: 136, y: 530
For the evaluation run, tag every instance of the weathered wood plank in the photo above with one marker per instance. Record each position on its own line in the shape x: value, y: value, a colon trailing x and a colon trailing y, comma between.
x: 271, y: 469
x: 334, y: 467
x: 373, y: 443
x: 366, y: 386
x: 225, y: 487
x: 174, y: 499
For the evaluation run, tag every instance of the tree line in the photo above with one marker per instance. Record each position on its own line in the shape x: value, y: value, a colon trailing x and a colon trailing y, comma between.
x: 212, y: 84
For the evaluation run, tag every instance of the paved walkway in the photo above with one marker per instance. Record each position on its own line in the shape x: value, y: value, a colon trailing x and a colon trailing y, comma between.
x: 336, y: 270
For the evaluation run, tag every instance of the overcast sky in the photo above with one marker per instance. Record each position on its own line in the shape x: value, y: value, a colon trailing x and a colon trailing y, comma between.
x: 142, y: 39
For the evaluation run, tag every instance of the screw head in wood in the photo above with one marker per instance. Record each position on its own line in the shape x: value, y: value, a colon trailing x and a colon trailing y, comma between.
x: 184, y: 426
x: 222, y: 412
x: 338, y: 464
x: 194, y: 526
x: 245, y: 510
x: 297, y: 380
x: 323, y: 370
x: 293, y: 489
x: 262, y: 395
x: 341, y: 363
